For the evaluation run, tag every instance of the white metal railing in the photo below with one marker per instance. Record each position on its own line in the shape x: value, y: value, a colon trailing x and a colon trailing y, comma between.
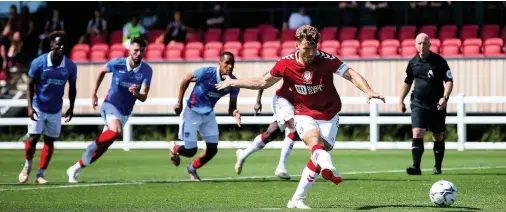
x: 373, y: 120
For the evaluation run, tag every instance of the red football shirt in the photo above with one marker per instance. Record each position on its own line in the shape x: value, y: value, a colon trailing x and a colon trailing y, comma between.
x: 315, y: 94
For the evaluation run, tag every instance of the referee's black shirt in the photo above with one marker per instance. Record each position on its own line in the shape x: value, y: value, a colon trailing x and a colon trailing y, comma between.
x: 429, y: 75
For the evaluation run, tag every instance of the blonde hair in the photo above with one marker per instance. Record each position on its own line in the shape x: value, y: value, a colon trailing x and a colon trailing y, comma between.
x: 308, y: 33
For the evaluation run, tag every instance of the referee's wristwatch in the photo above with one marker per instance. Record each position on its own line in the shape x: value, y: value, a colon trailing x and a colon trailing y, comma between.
x: 446, y: 98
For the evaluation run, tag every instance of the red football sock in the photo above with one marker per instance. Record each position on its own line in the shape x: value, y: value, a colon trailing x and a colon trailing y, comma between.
x: 45, y: 156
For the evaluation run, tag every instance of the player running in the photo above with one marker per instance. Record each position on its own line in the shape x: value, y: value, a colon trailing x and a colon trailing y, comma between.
x: 316, y: 102
x: 283, y: 114
x: 47, y: 77
x: 130, y: 82
x: 198, y: 113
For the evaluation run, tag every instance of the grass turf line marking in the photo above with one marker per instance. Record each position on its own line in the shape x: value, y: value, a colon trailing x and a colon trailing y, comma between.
x: 140, y: 182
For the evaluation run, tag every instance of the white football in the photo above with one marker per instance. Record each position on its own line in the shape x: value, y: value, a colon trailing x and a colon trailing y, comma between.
x: 443, y: 193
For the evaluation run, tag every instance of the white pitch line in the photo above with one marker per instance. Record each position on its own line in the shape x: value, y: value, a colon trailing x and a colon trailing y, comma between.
x: 225, y: 179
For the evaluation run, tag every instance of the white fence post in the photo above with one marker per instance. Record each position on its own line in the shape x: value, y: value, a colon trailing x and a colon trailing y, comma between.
x: 127, y: 136
x: 373, y: 126
x: 461, y: 125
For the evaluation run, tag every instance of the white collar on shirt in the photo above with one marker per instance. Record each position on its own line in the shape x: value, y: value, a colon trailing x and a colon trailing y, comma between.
x: 218, y: 76
x: 136, y: 69
x: 50, y: 62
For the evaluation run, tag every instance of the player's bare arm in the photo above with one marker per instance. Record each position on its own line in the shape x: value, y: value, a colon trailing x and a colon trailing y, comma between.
x: 258, y: 105
x: 72, y: 99
x: 448, y: 86
x: 405, y: 87
x: 361, y: 83
x: 98, y: 81
x: 30, y: 91
x: 143, y: 94
x: 190, y: 77
x: 264, y: 82
x: 233, y: 111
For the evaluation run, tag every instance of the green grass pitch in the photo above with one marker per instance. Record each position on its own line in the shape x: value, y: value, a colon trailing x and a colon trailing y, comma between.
x: 145, y: 180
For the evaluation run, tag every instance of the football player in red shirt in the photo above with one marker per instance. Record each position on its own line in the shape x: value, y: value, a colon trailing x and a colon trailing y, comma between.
x: 316, y: 102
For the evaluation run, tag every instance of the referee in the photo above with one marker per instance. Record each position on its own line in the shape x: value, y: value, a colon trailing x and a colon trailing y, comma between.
x: 433, y: 85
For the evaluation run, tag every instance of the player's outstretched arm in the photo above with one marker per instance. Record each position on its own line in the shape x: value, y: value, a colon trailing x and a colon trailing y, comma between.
x: 361, y: 83
x: 252, y: 83
x: 98, y: 81
x: 190, y: 77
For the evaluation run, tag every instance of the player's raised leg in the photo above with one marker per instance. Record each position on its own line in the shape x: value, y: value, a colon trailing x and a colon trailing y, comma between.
x: 258, y: 143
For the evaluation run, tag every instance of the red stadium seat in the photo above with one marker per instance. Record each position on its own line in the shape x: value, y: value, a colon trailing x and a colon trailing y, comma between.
x: 370, y: 43
x: 328, y: 33
x: 493, y: 41
x: 435, y: 44
x: 271, y: 45
x: 232, y: 34
x: 154, y: 55
x: 116, y: 37
x: 154, y: 34
x: 390, y: 43
x: 270, y: 53
x: 192, y: 54
x: 329, y: 49
x: 289, y: 44
x: 407, y: 32
x: 369, y: 52
x: 195, y: 45
x: 156, y: 46
x: 492, y: 51
x: 212, y: 34
x: 214, y: 45
x: 503, y: 34
x: 408, y: 51
x: 288, y: 35
x: 348, y: 33
x: 98, y: 56
x: 263, y: 27
x: 117, y: 47
x: 116, y: 54
x: 469, y: 31
x: 367, y: 33
x: 330, y: 44
x: 408, y: 42
x: 349, y: 52
x: 270, y: 34
x: 252, y: 45
x: 450, y: 51
x: 94, y: 39
x: 471, y: 51
x: 389, y: 52
x: 81, y: 47
x: 452, y: 42
x: 233, y: 45
x: 472, y: 41
x: 211, y: 54
x: 490, y: 31
x: 250, y: 34
x: 387, y: 32
x: 193, y: 37
x: 350, y: 43
x: 250, y: 54
x: 447, y: 32
x: 430, y: 30
x: 173, y: 54
x: 79, y: 56
x: 175, y: 45
x: 286, y: 51
x: 100, y: 47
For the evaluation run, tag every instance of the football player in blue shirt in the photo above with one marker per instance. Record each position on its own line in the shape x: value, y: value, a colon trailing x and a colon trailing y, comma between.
x: 198, y: 115
x: 47, y: 76
x: 130, y: 82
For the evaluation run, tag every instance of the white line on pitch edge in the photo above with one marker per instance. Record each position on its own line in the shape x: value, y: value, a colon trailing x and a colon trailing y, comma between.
x: 140, y: 182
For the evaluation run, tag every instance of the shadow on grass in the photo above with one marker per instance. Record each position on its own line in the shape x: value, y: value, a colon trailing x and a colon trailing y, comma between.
x: 372, y: 207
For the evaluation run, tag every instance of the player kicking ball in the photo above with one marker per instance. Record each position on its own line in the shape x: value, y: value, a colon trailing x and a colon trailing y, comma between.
x: 131, y: 79
x: 316, y: 102
x: 198, y: 113
x: 47, y: 77
x: 283, y: 114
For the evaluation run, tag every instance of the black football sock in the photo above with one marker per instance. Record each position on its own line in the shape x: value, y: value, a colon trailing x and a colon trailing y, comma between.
x: 439, y: 153
x: 417, y: 151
